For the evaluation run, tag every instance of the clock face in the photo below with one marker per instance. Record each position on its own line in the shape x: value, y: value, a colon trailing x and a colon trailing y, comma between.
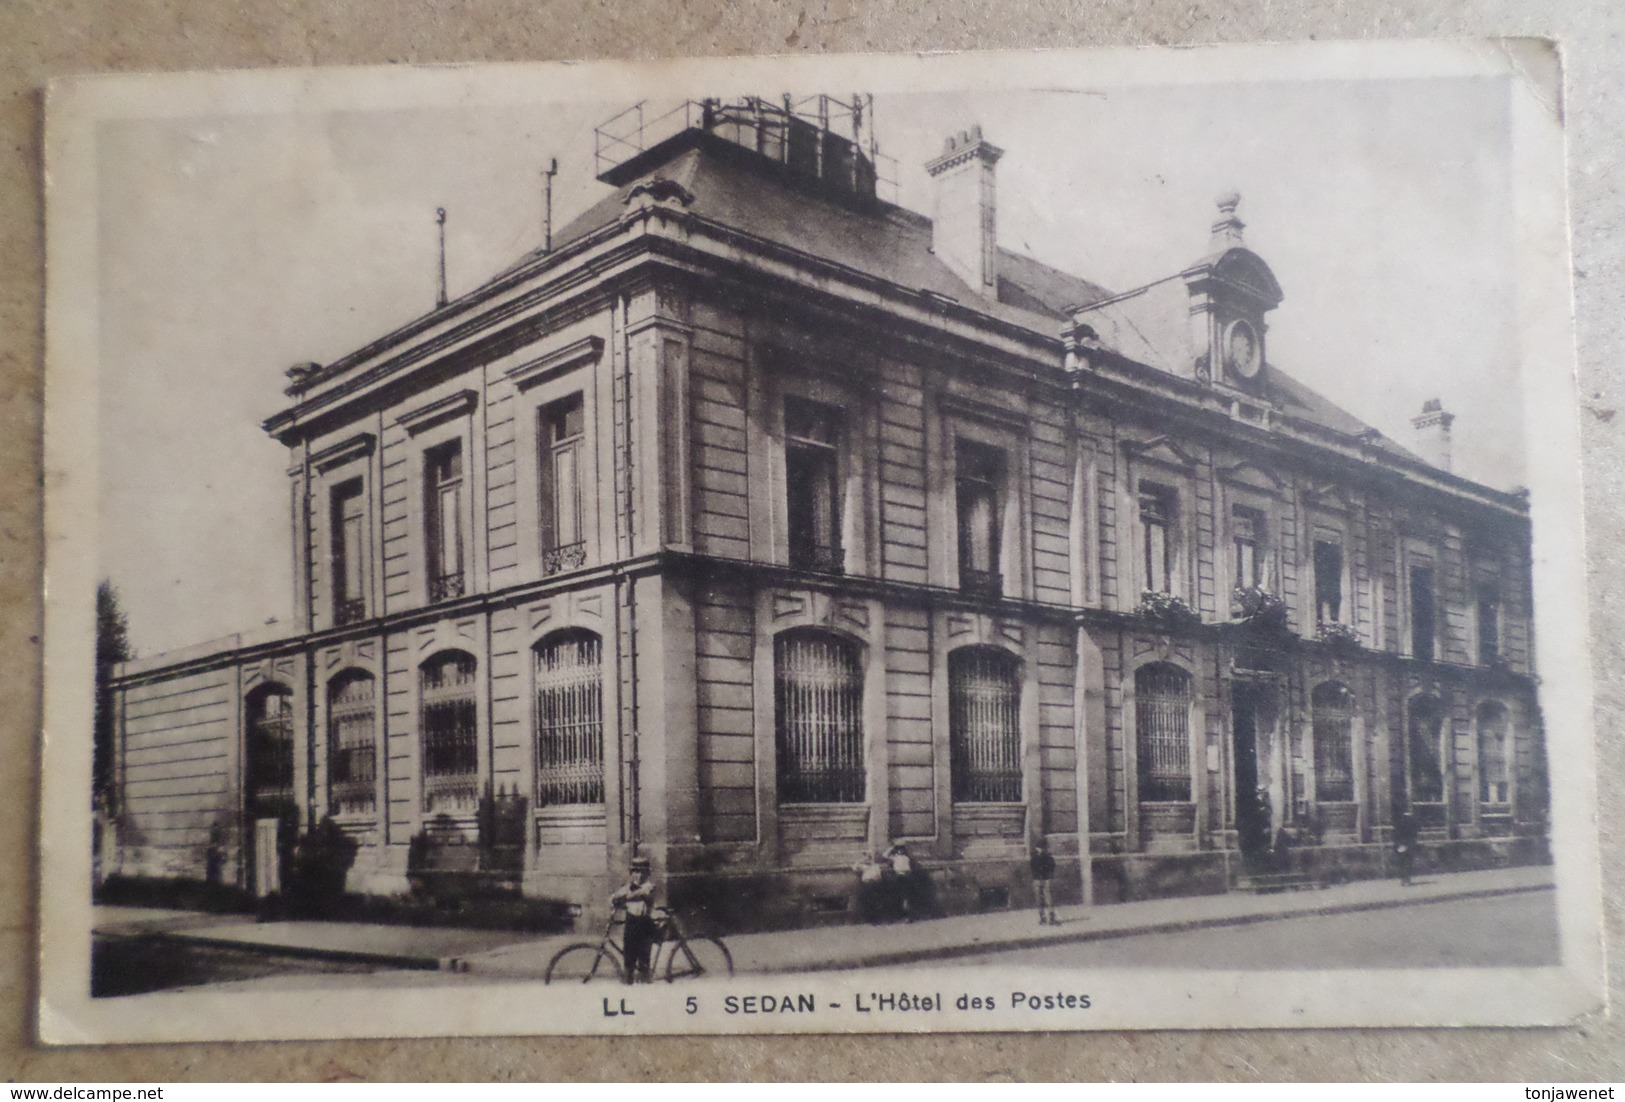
x: 1243, y: 352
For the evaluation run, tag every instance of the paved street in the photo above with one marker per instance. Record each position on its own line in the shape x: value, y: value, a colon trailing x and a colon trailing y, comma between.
x: 1508, y: 931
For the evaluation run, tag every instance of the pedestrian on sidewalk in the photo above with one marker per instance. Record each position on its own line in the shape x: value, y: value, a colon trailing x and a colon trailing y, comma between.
x: 909, y: 882
x: 1405, y: 846
x: 873, y: 903
x: 1043, y: 870
x: 636, y: 898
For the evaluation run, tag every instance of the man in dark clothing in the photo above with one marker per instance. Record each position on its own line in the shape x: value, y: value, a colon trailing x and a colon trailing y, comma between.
x: 1405, y: 846
x: 636, y: 899
x: 1043, y: 870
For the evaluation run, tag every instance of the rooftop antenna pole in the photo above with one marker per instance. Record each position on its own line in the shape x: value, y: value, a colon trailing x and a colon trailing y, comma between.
x: 440, y: 220
x: 547, y: 204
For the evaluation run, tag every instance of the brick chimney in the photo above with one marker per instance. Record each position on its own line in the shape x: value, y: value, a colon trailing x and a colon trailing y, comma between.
x: 1432, y: 427
x: 964, y: 228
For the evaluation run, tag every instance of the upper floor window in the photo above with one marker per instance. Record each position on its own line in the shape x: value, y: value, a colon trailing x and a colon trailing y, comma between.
x: 352, y: 743
x: 349, y: 552
x: 443, y: 512
x: 1162, y: 721
x: 1494, y: 775
x: 1489, y: 624
x: 1328, y: 582
x: 812, y: 434
x: 1247, y: 544
x: 269, y: 776
x: 984, y: 725
x: 562, y: 433
x: 448, y: 713
x: 569, y: 669
x: 979, y: 471
x: 818, y: 715
x: 1332, y: 717
x: 1423, y: 613
x: 1159, y: 511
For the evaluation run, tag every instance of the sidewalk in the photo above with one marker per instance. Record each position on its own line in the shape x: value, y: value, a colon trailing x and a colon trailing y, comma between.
x: 513, y: 955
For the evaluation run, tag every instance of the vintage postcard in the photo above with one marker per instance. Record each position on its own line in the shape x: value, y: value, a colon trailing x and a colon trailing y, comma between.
x: 1028, y: 541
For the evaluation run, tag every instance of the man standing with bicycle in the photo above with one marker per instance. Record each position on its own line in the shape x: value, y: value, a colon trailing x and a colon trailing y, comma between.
x: 636, y: 899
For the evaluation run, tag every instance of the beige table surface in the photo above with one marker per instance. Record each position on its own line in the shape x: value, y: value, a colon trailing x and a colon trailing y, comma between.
x: 40, y: 39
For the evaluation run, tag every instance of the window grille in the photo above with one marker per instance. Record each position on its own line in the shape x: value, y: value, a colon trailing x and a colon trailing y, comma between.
x: 443, y: 508
x: 818, y: 702
x: 1328, y: 582
x: 449, y: 718
x: 352, y: 746
x: 984, y: 726
x: 563, y: 435
x: 1162, y: 710
x: 1423, y: 628
x: 1157, y: 511
x: 979, y: 487
x: 349, y: 553
x: 1489, y: 626
x: 812, y: 485
x: 569, y: 720
x: 1425, y: 727
x: 1494, y: 783
x: 270, y: 752
x: 1332, y: 711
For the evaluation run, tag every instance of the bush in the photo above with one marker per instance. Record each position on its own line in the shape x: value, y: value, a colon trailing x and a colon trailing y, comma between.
x: 1166, y: 610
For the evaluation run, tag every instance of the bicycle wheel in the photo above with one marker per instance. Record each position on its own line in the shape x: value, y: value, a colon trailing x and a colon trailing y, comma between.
x: 583, y: 963
x: 696, y: 957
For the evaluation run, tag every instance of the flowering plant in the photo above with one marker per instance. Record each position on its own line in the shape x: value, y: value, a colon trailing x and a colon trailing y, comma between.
x: 1338, y: 634
x: 1167, y: 609
x: 1258, y: 607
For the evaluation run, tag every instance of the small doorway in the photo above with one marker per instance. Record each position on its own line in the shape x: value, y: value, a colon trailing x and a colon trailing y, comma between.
x: 1255, y: 818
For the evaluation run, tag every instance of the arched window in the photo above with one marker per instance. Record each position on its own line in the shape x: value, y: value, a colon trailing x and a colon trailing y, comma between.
x: 1494, y: 779
x: 1162, y: 721
x: 984, y: 728
x: 818, y: 709
x: 569, y: 720
x: 448, y: 715
x: 1426, y: 722
x: 1332, y: 711
x: 352, y: 744
x: 268, y: 779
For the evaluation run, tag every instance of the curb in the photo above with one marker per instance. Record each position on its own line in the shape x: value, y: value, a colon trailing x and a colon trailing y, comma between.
x: 304, y: 952
x: 912, y: 956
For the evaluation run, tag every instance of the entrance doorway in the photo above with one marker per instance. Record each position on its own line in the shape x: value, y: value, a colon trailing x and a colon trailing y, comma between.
x: 1251, y: 710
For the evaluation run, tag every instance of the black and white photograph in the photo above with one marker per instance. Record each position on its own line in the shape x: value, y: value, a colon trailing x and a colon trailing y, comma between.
x: 1049, y: 541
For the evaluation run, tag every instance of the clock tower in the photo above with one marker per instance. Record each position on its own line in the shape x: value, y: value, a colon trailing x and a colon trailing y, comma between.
x: 1231, y: 289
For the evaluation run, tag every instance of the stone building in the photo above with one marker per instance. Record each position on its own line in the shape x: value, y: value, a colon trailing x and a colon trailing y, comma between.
x: 759, y: 523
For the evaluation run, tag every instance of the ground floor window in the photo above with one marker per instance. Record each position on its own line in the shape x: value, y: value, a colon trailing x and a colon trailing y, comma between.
x: 818, y: 711
x: 352, y: 744
x: 1162, y: 718
x: 1332, y: 711
x: 1494, y: 780
x: 984, y: 725
x: 569, y: 719
x: 269, y: 776
x: 448, y: 715
x: 1426, y: 723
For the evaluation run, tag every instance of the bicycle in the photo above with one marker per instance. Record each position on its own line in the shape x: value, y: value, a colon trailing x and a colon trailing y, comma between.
x: 676, y: 954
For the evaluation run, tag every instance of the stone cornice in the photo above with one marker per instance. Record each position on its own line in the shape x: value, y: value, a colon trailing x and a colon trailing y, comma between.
x: 442, y: 409
x: 559, y: 360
